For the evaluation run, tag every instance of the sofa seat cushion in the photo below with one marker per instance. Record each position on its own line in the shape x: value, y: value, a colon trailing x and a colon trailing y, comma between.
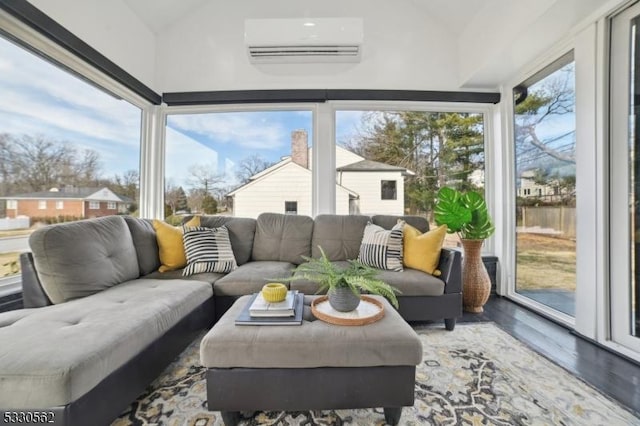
x: 390, y: 341
x: 78, y: 259
x: 208, y: 277
x: 251, y: 277
x: 310, y: 287
x: 412, y: 282
x: 53, y: 355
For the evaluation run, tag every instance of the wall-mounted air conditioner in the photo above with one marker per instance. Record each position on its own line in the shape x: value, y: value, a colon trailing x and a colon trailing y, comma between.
x: 303, y: 40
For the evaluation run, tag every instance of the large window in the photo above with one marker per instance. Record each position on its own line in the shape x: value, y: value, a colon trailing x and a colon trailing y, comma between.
x: 238, y: 163
x: 62, y: 140
x: 545, y: 166
x: 394, y: 162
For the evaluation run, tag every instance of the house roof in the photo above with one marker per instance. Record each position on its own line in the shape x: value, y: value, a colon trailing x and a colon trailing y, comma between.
x: 65, y: 193
x: 370, y: 166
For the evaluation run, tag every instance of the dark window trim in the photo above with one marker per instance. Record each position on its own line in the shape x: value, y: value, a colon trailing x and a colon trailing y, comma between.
x: 33, y: 17
x: 322, y: 95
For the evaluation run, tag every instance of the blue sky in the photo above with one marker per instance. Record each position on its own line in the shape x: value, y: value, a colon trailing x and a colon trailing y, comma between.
x: 38, y: 98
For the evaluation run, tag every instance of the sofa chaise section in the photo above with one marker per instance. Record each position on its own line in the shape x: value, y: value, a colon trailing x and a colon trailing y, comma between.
x: 109, y: 333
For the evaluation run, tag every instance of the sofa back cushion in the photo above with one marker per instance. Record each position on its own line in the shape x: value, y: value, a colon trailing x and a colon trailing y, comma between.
x: 389, y: 221
x: 339, y: 236
x: 284, y: 238
x: 77, y: 259
x: 145, y: 242
x: 241, y: 233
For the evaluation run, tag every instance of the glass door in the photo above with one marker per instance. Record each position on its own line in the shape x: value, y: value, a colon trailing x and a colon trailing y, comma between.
x: 624, y: 176
x: 545, y: 172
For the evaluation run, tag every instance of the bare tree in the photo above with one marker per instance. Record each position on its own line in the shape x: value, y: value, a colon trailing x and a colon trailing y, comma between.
x: 556, y: 97
x: 202, y: 177
x: 37, y: 163
x: 250, y: 166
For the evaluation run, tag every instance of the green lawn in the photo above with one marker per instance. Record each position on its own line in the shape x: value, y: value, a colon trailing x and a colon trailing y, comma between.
x: 545, y: 262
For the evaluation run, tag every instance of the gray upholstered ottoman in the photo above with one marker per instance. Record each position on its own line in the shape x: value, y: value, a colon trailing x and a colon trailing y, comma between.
x: 314, y: 366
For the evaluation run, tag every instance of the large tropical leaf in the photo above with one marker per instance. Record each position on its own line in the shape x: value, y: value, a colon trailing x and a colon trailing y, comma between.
x: 450, y: 210
x: 480, y: 226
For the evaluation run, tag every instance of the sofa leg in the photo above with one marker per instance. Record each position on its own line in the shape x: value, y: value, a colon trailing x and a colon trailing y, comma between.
x: 392, y: 415
x: 449, y: 323
x: 230, y: 418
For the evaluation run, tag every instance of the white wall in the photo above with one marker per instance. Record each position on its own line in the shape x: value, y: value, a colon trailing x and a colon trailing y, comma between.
x: 404, y: 48
x: 367, y: 186
x: 345, y: 157
x: 268, y: 194
x: 111, y: 28
x: 342, y: 200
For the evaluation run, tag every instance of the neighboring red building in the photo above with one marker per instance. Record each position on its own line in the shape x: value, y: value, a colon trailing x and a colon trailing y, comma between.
x: 75, y: 202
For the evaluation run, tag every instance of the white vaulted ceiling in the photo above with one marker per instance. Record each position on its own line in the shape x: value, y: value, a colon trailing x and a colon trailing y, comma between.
x: 191, y: 45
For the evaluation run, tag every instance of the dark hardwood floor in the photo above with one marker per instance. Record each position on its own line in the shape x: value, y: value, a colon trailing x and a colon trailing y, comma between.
x: 611, y: 374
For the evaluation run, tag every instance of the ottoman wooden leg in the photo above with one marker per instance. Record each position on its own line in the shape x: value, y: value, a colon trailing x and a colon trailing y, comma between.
x: 392, y: 415
x: 230, y: 418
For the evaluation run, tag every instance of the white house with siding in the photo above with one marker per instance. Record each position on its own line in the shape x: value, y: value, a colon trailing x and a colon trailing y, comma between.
x: 362, y: 186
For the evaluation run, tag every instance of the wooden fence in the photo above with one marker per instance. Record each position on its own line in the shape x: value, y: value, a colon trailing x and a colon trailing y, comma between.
x: 552, y: 220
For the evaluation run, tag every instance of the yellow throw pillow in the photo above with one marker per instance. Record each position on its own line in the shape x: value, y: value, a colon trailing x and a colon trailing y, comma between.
x: 170, y: 244
x: 422, y: 251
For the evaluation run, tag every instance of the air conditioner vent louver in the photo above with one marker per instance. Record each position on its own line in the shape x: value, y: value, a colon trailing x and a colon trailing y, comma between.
x: 303, y: 40
x: 303, y: 51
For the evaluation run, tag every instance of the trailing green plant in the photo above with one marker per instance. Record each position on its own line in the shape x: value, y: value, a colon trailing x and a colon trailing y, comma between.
x: 357, y: 277
x: 464, y: 213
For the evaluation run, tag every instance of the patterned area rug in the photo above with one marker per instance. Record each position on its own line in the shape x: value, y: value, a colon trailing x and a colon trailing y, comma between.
x: 475, y: 375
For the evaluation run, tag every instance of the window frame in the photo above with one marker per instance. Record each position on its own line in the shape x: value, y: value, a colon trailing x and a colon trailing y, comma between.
x: 93, y: 204
x: 591, y: 68
x: 324, y: 142
x: 60, y: 205
x: 112, y: 205
x: 27, y: 38
x: 42, y: 204
x: 12, y: 204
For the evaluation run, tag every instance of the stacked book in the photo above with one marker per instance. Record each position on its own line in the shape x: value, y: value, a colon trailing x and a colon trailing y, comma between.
x: 260, y: 312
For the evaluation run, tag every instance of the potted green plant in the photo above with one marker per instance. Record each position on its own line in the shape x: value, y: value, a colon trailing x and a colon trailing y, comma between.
x: 343, y: 285
x: 467, y: 215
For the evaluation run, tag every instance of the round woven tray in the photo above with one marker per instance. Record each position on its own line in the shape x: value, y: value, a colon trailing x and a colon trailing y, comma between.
x: 370, y: 310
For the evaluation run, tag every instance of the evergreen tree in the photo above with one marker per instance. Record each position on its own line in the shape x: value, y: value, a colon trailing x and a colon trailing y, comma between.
x: 209, y: 205
x: 440, y: 148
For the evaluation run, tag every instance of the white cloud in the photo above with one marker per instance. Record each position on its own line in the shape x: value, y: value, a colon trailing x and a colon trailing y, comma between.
x: 183, y: 152
x: 244, y: 130
x: 348, y: 124
x: 51, y: 97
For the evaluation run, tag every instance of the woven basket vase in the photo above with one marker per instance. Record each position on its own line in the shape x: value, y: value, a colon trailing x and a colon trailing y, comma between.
x: 476, y: 284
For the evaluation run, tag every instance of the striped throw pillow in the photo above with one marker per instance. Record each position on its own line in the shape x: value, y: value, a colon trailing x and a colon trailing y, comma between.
x: 208, y: 250
x: 382, y: 249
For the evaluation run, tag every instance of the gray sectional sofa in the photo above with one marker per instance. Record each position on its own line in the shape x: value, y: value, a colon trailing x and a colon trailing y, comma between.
x: 100, y: 322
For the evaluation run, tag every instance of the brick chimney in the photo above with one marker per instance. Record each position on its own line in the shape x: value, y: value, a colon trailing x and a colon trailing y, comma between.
x: 299, y: 148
